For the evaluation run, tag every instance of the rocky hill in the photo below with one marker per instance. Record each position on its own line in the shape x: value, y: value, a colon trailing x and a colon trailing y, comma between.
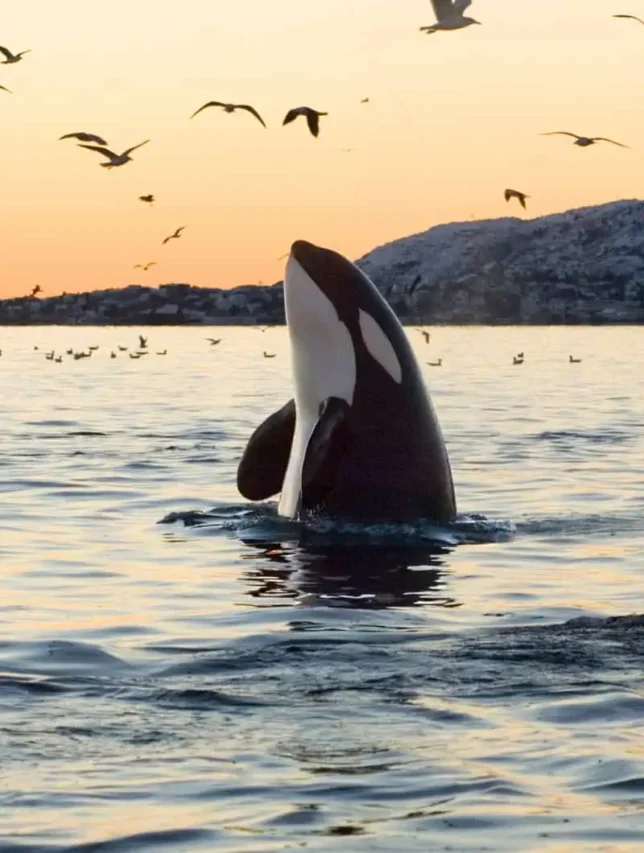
x: 582, y: 266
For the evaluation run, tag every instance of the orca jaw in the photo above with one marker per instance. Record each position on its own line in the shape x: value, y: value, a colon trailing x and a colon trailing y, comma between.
x: 323, y: 360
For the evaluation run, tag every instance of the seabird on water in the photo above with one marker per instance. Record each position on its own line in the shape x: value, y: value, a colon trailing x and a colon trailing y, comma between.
x: 81, y: 136
x: 230, y: 108
x: 269, y: 354
x: 10, y: 58
x: 174, y: 236
x: 438, y: 363
x: 449, y: 16
x: 114, y: 159
x: 521, y: 197
x: 312, y: 118
x: 583, y: 141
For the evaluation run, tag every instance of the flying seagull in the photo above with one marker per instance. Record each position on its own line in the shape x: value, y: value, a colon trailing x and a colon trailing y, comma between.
x: 312, y: 118
x: 174, y: 236
x: 632, y: 17
x: 521, y: 197
x: 365, y: 100
x: 149, y: 199
x: 114, y: 159
x: 583, y: 141
x: 214, y: 341
x: 4, y: 89
x: 85, y: 137
x: 145, y: 267
x: 230, y: 108
x: 449, y: 16
x: 10, y: 58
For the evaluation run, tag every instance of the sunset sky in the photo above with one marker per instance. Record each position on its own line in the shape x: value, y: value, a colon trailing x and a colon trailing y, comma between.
x: 453, y: 119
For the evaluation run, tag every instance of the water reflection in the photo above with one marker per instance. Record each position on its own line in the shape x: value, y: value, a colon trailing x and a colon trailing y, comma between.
x: 356, y: 575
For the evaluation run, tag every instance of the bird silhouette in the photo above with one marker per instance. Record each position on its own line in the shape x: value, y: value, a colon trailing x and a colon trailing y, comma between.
x: 425, y: 334
x: 81, y: 136
x: 4, y: 89
x: 230, y: 108
x: 10, y: 58
x: 438, y: 363
x: 574, y: 360
x: 114, y: 160
x: 521, y: 197
x: 214, y: 341
x: 269, y: 354
x: 148, y: 199
x: 174, y: 236
x: 449, y: 16
x: 144, y: 267
x: 583, y: 141
x: 632, y: 17
x: 143, y: 342
x: 37, y: 289
x: 312, y: 117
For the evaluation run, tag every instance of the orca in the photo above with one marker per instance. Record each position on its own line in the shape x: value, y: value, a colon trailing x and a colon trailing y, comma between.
x: 360, y: 439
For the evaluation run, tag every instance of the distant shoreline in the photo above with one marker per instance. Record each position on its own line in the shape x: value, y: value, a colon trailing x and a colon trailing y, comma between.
x: 584, y: 267
x: 406, y: 322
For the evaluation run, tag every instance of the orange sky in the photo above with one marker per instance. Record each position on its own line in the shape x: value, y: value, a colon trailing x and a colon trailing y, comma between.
x: 454, y: 118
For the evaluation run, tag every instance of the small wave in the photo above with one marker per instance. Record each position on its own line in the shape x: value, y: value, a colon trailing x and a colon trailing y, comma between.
x: 198, y: 698
x: 606, y: 436
x: 31, y: 684
x: 579, y: 525
x: 124, y: 844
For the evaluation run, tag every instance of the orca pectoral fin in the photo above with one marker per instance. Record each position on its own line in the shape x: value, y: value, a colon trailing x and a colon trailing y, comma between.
x: 263, y: 465
x: 324, y: 451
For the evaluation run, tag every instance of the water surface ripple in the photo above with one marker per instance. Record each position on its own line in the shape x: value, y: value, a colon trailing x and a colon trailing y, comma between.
x: 183, y: 671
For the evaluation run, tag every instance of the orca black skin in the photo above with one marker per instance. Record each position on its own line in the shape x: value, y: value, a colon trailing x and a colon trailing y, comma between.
x: 361, y: 440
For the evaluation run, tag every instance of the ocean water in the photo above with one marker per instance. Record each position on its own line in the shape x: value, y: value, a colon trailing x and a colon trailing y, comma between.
x: 183, y: 671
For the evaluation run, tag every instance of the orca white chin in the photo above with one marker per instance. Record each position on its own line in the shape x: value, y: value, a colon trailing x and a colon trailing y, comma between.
x: 324, y: 366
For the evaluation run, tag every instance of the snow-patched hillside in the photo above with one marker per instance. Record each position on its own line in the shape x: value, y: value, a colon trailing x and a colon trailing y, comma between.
x: 581, y: 266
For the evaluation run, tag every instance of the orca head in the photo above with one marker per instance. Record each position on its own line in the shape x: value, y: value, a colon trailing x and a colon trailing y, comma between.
x: 340, y: 327
x: 334, y: 313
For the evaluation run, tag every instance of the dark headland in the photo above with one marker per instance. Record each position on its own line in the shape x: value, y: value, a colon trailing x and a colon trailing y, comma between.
x: 581, y: 266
